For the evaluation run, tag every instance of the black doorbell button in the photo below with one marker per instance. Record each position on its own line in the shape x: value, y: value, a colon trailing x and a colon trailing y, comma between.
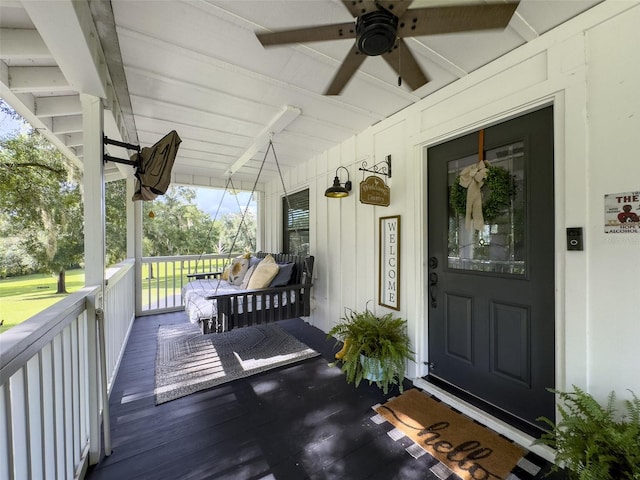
x: 574, y: 239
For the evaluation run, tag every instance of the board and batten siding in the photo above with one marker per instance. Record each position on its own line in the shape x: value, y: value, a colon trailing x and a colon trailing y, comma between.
x: 588, y: 69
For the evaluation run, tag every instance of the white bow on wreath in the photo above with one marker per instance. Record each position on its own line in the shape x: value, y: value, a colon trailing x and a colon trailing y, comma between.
x: 472, y: 178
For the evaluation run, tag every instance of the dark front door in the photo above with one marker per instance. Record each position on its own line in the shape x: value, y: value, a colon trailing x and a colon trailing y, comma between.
x: 491, y: 286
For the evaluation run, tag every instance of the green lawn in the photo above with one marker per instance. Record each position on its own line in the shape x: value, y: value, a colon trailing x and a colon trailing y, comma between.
x: 22, y: 297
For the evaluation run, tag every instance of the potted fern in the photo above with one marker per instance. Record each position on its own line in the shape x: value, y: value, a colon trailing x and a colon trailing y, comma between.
x: 593, y: 441
x: 375, y: 348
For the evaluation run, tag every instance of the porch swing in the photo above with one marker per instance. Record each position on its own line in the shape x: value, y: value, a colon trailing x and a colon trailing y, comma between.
x: 218, y: 303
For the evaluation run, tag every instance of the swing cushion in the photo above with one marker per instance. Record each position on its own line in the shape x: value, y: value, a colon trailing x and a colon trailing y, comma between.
x: 266, y: 271
x: 239, y: 267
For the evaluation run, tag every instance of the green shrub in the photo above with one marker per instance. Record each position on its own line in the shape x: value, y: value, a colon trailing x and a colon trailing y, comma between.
x: 591, y: 441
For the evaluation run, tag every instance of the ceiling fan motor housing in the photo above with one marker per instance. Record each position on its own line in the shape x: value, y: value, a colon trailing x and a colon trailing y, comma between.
x: 376, y: 32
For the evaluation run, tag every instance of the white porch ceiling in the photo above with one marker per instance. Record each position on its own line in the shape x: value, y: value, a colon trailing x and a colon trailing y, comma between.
x: 195, y: 66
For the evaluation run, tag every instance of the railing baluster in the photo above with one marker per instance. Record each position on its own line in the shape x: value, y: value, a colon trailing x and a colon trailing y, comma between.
x: 75, y: 388
x: 48, y: 411
x: 59, y: 405
x: 6, y: 447
x: 19, y: 402
x: 34, y: 417
x: 67, y: 400
x: 173, y: 294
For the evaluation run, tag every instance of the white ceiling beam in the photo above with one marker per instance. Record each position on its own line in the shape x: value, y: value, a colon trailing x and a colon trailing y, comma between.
x: 440, y: 60
x: 522, y: 28
x: 118, y: 99
x: 71, y: 139
x: 24, y: 104
x: 58, y: 106
x: 70, y: 124
x: 46, y: 122
x: 20, y: 43
x: 112, y: 175
x: 4, y: 75
x: 75, y: 47
x: 277, y: 124
x: 37, y: 79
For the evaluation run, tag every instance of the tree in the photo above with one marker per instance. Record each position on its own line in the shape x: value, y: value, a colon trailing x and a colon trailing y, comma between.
x: 14, y: 258
x: 174, y: 225
x: 116, y: 221
x: 236, y: 234
x: 41, y: 199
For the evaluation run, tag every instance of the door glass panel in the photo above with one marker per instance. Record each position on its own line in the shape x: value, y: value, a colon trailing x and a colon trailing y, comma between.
x: 499, y: 247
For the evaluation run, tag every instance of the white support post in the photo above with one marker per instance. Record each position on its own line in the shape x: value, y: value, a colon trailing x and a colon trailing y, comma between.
x: 137, y: 240
x: 94, y: 196
x: 259, y: 198
x: 94, y: 253
x: 131, y: 219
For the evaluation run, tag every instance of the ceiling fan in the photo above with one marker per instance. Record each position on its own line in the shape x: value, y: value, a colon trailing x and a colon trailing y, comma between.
x: 382, y: 25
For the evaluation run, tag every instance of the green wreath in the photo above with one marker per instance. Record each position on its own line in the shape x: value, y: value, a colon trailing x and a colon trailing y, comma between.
x: 498, y: 190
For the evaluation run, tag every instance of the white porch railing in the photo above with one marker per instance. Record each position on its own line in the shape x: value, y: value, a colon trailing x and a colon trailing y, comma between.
x: 164, y: 277
x: 119, y: 310
x: 50, y: 400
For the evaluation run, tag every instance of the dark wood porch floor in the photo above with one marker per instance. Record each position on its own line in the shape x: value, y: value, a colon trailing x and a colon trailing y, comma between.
x: 297, y: 422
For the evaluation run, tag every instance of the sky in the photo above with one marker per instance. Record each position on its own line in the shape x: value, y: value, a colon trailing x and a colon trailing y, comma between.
x: 10, y: 127
x: 207, y: 199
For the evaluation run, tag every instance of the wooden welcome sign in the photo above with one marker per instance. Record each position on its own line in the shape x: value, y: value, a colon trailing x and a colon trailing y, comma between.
x: 389, y: 263
x: 373, y: 191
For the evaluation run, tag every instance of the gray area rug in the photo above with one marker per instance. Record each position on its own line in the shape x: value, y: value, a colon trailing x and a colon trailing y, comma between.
x: 188, y: 361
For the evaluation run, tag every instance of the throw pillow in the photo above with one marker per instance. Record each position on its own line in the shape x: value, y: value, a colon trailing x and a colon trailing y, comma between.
x: 225, y: 273
x: 266, y: 271
x: 254, y: 261
x: 239, y: 267
x: 283, y: 276
x: 247, y: 277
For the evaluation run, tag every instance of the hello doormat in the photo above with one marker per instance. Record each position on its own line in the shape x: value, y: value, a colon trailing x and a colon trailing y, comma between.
x: 467, y: 449
x: 188, y: 361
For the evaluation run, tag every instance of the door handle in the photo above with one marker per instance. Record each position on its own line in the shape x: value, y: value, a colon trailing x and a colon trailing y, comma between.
x: 433, y: 262
x: 433, y: 281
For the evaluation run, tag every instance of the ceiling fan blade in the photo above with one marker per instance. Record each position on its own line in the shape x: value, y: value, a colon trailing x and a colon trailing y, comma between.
x: 461, y: 18
x: 405, y: 65
x: 397, y: 7
x: 360, y: 7
x: 349, y: 66
x: 309, y: 34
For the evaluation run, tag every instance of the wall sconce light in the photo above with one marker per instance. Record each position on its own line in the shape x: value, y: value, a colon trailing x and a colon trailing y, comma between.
x: 337, y: 190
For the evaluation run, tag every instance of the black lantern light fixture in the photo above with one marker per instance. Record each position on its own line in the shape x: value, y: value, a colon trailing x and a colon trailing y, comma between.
x: 339, y: 190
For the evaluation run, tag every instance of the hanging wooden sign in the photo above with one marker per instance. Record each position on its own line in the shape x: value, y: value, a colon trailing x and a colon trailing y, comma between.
x: 373, y: 191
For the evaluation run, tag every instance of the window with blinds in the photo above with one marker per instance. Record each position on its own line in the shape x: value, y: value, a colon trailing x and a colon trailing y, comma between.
x: 295, y: 208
